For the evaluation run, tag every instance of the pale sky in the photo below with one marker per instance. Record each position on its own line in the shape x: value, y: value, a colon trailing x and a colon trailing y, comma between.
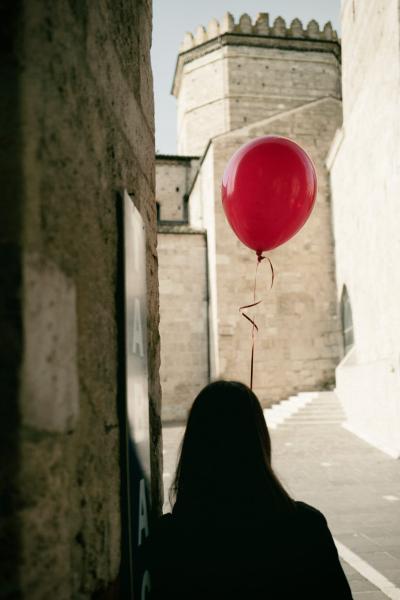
x: 172, y: 18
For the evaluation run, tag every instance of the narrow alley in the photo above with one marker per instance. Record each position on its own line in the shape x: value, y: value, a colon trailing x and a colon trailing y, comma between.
x: 355, y: 485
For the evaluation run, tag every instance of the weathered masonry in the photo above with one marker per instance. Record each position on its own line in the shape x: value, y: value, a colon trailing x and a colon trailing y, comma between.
x: 365, y: 179
x: 77, y: 127
x: 233, y: 82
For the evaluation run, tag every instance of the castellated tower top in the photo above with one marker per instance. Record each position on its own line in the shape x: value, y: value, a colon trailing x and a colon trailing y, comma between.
x: 261, y: 26
x: 231, y: 74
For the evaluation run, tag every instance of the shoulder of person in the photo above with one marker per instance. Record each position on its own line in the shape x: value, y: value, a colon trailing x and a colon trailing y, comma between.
x: 314, y: 528
x: 163, y: 525
x: 159, y: 537
x: 310, y: 515
x: 165, y: 520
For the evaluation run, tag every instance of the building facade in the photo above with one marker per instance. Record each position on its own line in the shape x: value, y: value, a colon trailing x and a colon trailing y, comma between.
x: 234, y: 82
x: 364, y: 163
x: 333, y: 316
x: 78, y: 127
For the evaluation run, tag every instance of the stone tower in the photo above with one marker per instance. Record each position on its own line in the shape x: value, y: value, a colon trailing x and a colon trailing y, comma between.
x: 234, y: 82
x: 230, y: 75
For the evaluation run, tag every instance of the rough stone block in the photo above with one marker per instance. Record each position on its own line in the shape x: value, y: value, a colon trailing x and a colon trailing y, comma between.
x: 50, y: 396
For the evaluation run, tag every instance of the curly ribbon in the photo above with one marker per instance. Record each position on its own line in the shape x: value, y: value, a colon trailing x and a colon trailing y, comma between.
x: 254, y: 325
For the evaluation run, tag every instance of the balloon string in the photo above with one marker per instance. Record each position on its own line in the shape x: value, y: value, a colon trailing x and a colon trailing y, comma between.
x: 254, y: 326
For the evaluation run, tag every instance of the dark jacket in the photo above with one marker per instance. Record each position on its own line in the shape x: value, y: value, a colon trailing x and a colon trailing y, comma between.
x: 244, y: 556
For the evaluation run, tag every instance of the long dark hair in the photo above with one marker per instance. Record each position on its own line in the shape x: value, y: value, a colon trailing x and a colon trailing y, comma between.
x: 225, y: 457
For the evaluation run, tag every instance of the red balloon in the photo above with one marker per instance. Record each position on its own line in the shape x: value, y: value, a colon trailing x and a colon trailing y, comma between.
x: 268, y: 191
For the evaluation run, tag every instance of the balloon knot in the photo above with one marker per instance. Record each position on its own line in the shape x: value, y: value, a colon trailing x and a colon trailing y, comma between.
x: 260, y: 257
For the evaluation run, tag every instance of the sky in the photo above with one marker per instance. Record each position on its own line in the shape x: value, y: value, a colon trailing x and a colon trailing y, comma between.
x: 172, y: 18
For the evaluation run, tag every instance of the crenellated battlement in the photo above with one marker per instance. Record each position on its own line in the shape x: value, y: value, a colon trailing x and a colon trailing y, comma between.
x: 260, y: 27
x: 232, y: 73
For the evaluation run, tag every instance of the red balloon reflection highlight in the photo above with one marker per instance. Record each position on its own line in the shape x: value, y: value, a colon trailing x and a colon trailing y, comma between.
x: 268, y: 191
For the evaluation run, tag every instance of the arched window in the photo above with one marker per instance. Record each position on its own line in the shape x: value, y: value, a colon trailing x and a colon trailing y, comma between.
x: 347, y: 321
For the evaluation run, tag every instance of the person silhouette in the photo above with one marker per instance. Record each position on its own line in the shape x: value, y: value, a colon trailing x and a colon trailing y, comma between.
x: 234, y: 531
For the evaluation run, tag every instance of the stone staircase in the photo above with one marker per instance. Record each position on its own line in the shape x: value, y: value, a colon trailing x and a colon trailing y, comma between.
x: 307, y: 408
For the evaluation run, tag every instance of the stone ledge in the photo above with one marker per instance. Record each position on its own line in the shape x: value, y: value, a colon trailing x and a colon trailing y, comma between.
x: 176, y: 158
x: 176, y: 227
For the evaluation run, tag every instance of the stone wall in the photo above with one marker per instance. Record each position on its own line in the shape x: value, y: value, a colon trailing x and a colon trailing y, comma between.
x: 202, y: 217
x: 202, y: 102
x: 256, y: 70
x: 78, y: 113
x: 365, y: 177
x: 266, y: 80
x: 174, y: 175
x: 299, y: 343
x: 183, y: 318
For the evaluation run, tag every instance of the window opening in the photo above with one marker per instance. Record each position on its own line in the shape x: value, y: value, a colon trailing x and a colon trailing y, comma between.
x: 347, y: 321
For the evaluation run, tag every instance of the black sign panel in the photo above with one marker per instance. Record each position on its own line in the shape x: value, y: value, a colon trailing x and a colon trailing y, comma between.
x: 137, y: 400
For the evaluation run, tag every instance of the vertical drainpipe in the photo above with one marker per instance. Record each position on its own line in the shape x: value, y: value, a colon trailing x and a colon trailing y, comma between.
x: 185, y: 207
x: 208, y: 311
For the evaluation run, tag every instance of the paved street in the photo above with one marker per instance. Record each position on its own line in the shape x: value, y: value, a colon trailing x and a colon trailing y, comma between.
x: 356, y: 486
